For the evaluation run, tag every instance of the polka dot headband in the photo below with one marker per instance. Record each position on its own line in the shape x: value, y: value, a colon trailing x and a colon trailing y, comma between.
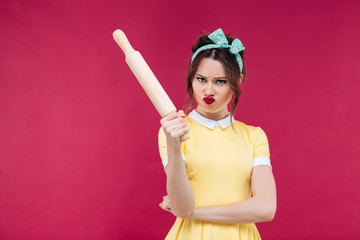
x: 220, y: 41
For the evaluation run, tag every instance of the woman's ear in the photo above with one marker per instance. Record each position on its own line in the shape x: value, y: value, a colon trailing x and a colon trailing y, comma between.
x: 241, y: 78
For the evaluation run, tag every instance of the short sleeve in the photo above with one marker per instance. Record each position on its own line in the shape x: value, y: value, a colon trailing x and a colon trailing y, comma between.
x: 163, y: 147
x: 261, y: 148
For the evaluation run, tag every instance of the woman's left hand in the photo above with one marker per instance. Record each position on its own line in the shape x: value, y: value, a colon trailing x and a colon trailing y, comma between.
x: 166, y: 205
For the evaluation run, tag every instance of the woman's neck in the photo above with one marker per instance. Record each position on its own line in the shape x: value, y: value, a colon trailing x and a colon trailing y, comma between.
x: 213, y: 116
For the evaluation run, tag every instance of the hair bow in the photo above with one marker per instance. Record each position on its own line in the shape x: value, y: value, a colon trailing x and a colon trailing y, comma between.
x: 220, y: 41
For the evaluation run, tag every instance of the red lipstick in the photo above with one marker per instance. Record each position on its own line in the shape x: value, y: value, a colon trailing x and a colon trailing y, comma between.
x: 209, y: 100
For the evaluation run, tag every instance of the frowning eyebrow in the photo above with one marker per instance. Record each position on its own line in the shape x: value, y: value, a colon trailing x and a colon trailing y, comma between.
x: 206, y: 77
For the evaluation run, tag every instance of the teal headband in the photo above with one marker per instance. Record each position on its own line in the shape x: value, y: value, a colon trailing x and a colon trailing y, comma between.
x: 218, y: 37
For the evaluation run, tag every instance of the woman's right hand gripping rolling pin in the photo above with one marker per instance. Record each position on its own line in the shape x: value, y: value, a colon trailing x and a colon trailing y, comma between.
x: 175, y: 127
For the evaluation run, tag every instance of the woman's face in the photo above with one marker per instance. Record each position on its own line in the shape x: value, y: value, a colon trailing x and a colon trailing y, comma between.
x: 212, y: 90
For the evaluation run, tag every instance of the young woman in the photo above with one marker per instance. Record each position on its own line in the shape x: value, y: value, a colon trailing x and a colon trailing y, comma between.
x: 220, y: 181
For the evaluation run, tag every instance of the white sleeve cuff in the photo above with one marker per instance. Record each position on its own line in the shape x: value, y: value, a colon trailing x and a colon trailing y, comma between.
x: 261, y: 161
x: 165, y: 161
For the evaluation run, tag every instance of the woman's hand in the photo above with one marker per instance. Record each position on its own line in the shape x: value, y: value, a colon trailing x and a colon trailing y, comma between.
x: 165, y: 205
x: 174, y: 126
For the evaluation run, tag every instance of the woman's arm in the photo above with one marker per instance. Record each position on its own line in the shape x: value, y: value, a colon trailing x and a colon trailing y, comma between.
x: 178, y: 185
x: 260, y: 207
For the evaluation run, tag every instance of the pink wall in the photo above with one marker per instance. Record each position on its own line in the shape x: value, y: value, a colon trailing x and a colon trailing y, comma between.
x: 78, y: 136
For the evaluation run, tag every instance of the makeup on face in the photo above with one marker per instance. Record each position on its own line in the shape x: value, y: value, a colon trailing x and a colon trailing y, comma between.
x: 209, y: 100
x: 211, y: 89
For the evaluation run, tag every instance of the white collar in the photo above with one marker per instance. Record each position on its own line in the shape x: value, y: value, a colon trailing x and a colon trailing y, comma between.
x: 209, y: 123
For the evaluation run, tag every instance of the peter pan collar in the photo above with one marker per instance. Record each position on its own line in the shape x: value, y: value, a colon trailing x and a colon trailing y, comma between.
x: 209, y: 123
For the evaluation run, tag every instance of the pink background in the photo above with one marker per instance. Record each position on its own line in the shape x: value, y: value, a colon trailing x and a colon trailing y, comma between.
x: 78, y: 136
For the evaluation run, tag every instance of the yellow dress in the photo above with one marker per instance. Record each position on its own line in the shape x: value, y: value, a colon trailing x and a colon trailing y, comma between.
x: 219, y: 161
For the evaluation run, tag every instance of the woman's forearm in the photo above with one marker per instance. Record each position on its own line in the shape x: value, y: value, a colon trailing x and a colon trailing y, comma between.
x: 248, y: 211
x: 178, y: 185
x: 261, y: 207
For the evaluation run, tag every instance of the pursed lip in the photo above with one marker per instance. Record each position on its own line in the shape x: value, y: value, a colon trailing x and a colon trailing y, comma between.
x: 209, y: 100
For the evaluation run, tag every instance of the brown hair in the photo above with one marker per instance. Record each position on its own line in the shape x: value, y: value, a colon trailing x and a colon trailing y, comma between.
x: 227, y: 59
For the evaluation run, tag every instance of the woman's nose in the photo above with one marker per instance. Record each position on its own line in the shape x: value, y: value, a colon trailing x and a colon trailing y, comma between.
x: 209, y: 89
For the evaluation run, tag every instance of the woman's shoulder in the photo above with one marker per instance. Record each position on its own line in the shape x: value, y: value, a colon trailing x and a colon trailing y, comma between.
x: 241, y: 124
x: 249, y: 129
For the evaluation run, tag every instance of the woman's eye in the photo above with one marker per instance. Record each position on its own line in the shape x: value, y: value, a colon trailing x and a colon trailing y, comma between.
x: 221, y: 81
x: 201, y: 79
